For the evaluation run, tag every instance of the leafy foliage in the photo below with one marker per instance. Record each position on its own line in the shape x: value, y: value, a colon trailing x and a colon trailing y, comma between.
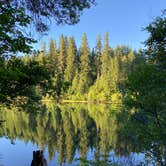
x: 146, y: 90
x: 12, y: 38
x: 17, y: 15
x: 17, y: 78
x: 62, y: 12
x: 156, y: 43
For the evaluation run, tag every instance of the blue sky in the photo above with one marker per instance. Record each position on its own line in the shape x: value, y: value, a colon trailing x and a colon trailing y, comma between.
x: 123, y: 19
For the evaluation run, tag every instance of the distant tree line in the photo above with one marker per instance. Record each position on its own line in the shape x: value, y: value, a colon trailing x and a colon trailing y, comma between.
x: 64, y: 71
x: 82, y: 74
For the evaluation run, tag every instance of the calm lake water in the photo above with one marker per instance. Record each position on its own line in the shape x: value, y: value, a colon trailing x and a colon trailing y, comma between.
x: 70, y: 134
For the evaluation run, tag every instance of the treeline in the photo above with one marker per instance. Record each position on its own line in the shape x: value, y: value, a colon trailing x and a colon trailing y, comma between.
x: 19, y: 80
x: 64, y: 71
x: 82, y: 74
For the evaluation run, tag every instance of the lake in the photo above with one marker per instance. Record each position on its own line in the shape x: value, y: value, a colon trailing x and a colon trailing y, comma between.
x: 71, y: 134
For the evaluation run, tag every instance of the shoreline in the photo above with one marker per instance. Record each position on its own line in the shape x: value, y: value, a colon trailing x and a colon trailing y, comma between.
x: 80, y: 101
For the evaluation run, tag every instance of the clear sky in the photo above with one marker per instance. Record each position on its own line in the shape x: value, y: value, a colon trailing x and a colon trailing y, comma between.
x: 123, y: 19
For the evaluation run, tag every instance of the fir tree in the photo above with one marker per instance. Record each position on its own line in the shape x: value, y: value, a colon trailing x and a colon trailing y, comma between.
x: 62, y: 55
x: 85, y: 69
x: 98, y: 52
x: 52, y: 56
x: 70, y: 61
x: 105, y: 59
x: 40, y: 56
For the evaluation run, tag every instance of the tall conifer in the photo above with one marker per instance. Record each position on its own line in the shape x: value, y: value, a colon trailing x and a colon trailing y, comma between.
x: 52, y: 56
x: 97, y: 58
x: 71, y: 60
x: 85, y: 69
x: 62, y: 55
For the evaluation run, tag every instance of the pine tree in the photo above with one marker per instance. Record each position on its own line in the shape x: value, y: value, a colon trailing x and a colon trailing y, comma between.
x: 105, y: 59
x: 52, y: 48
x: 114, y: 76
x: 62, y: 55
x: 107, y: 67
x: 85, y: 69
x: 103, y: 86
x: 97, y: 59
x: 71, y: 61
x: 130, y: 59
x: 93, y: 64
x: 122, y: 52
x: 52, y: 56
x: 40, y: 57
x: 74, y: 88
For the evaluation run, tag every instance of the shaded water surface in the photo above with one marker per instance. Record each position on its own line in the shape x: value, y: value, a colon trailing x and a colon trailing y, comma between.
x: 71, y: 134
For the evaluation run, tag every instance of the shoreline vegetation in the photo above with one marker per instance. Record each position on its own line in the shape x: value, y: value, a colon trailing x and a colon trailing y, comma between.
x: 80, y: 101
x: 62, y: 71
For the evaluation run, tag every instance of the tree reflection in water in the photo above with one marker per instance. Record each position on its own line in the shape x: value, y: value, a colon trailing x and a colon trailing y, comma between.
x: 0, y: 160
x: 72, y: 128
x: 38, y: 159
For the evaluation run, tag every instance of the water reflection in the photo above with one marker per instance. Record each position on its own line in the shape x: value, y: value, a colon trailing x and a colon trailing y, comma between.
x: 38, y: 159
x: 0, y: 160
x: 76, y: 131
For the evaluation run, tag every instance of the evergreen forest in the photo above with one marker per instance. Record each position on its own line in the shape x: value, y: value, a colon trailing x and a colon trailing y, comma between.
x: 64, y: 72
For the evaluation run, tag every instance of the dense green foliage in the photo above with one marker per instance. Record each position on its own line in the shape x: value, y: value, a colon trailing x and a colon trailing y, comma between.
x: 82, y: 74
x: 60, y: 12
x: 146, y: 90
x: 19, y: 76
x: 19, y: 80
x: 73, y: 74
x: 12, y: 38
